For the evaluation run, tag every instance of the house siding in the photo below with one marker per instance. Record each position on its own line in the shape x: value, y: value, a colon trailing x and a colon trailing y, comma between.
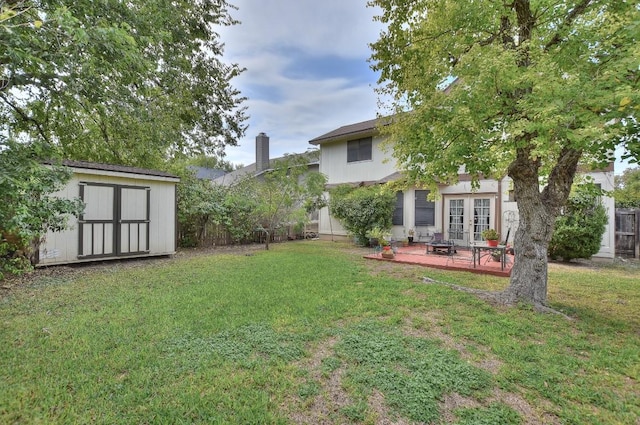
x: 503, y: 212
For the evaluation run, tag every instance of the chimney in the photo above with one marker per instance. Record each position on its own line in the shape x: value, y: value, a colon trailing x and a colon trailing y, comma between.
x: 262, y: 152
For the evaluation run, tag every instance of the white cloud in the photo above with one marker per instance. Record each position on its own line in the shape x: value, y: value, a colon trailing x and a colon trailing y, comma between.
x: 322, y: 40
x: 340, y: 27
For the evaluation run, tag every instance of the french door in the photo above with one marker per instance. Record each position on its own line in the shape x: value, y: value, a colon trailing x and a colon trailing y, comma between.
x: 115, y: 221
x: 467, y: 216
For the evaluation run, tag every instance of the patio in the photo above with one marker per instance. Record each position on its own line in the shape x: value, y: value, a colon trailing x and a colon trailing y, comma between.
x: 460, y: 261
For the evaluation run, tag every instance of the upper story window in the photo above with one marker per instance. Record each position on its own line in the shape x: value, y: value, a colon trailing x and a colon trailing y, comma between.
x: 359, y: 149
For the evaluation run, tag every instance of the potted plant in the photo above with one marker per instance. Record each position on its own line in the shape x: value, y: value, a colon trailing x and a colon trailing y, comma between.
x: 410, y: 234
x: 491, y: 236
x: 387, y: 251
x: 376, y: 236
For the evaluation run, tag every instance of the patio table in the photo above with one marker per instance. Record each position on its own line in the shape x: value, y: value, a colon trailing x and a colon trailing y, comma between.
x: 440, y: 247
x: 478, y: 249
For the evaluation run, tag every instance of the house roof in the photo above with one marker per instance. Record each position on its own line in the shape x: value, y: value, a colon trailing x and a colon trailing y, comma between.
x: 251, y: 169
x: 205, y: 173
x: 232, y: 176
x: 115, y: 168
x: 364, y: 128
x: 390, y: 178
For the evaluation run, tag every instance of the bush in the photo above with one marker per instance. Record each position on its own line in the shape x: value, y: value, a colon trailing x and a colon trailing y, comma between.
x: 579, y: 229
x: 28, y: 209
x: 362, y: 209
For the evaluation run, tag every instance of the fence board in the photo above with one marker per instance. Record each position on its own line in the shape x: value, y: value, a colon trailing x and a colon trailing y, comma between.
x: 628, y: 233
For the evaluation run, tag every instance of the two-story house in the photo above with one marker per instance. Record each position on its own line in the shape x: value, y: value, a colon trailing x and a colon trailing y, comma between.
x: 353, y: 154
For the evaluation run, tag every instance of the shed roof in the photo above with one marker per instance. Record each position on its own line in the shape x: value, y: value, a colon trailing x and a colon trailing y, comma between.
x: 114, y: 168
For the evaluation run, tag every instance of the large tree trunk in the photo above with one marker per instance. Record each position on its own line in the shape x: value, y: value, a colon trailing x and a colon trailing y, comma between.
x: 529, y: 275
x: 537, y: 211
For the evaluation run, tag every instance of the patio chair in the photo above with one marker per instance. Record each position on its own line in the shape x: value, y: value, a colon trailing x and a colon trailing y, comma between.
x: 454, y: 257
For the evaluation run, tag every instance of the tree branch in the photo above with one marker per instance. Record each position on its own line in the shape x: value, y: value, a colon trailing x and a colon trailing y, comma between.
x: 568, y: 20
x: 26, y: 117
x: 561, y: 177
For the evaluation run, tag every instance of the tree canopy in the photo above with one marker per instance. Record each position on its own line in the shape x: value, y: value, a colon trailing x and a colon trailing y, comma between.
x: 132, y: 83
x: 627, y: 189
x: 540, y: 87
x: 135, y: 83
x: 281, y: 195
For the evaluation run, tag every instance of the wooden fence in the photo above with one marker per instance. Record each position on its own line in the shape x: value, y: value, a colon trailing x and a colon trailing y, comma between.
x: 216, y: 235
x: 628, y: 233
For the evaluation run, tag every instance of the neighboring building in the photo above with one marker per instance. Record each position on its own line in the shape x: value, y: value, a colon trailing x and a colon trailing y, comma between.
x: 129, y: 212
x: 263, y: 163
x: 352, y: 154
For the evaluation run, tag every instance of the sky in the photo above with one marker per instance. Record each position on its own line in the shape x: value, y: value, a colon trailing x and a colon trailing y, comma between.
x: 306, y: 70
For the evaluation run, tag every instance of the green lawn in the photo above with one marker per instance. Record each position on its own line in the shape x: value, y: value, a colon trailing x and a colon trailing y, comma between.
x: 310, y: 332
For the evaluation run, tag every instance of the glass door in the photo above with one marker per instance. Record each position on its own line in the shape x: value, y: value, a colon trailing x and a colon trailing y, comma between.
x: 481, y: 217
x: 466, y: 217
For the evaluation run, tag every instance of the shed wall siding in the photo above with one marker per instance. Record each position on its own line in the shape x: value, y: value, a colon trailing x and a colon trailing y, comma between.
x: 63, y: 247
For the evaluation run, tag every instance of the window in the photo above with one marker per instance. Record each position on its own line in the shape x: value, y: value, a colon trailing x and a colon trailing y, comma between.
x: 359, y: 150
x: 425, y: 209
x: 398, y: 213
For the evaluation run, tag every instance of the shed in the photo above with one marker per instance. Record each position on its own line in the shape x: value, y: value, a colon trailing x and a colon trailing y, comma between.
x: 129, y: 212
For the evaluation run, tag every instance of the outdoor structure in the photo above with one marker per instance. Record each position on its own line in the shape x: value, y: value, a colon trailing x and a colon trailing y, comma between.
x: 353, y: 154
x: 129, y: 212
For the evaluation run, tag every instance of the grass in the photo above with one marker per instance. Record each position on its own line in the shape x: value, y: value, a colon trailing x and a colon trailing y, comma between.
x: 310, y: 332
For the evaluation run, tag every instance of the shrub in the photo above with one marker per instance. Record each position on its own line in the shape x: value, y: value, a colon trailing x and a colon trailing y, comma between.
x: 579, y: 229
x: 29, y: 208
x: 362, y: 209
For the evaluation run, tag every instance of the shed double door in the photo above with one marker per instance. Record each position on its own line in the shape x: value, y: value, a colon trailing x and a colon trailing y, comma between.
x: 115, y: 221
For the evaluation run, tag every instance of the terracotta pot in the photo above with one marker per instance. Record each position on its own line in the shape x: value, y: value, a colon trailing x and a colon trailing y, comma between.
x: 492, y: 242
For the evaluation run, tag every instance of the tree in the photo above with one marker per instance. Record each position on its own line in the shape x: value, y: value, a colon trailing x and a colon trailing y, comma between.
x: 28, y: 210
x: 214, y: 162
x: 627, y: 189
x: 580, y: 226
x: 199, y: 203
x: 542, y: 86
x: 131, y: 83
x: 362, y: 209
x: 280, y: 194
